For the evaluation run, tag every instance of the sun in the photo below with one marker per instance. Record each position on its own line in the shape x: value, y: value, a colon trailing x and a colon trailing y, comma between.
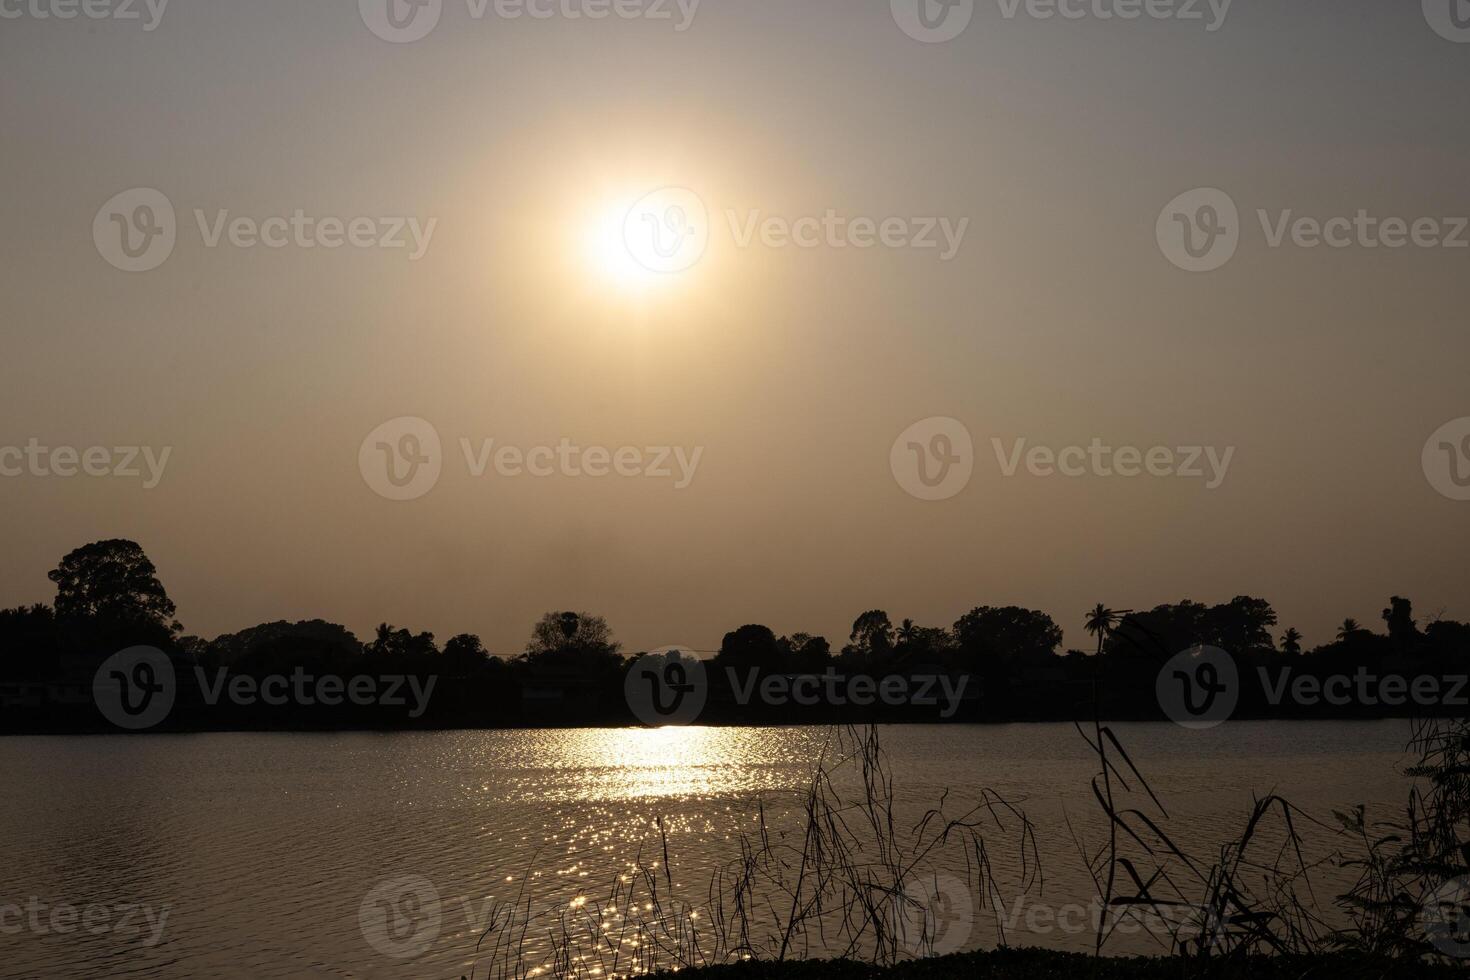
x: 608, y: 253
x: 640, y: 243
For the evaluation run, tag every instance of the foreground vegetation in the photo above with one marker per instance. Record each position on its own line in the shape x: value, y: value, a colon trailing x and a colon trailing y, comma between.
x: 857, y: 891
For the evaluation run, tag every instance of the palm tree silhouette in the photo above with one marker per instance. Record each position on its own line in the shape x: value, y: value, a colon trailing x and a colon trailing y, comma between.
x: 907, y: 631
x: 1101, y: 621
x: 1291, y: 642
x: 1348, y: 627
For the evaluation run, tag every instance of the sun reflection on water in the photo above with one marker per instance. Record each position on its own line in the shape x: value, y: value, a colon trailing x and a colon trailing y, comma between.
x: 604, y: 765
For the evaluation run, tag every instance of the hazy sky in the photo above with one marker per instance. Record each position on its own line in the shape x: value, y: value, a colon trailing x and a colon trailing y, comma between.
x: 792, y: 370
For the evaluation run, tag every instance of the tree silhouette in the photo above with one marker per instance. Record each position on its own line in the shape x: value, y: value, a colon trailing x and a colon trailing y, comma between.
x: 872, y: 634
x: 464, y: 653
x: 1400, y: 619
x: 808, y: 654
x: 994, y: 635
x: 1101, y: 621
x: 401, y: 645
x: 114, y: 581
x: 749, y: 646
x: 573, y: 644
x: 559, y: 632
x: 572, y: 671
x: 1243, y: 623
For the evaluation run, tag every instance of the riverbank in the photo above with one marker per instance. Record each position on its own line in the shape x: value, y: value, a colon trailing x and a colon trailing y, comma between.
x: 1040, y: 964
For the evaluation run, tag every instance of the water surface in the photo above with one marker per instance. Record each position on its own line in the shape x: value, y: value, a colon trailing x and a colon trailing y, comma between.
x: 262, y: 848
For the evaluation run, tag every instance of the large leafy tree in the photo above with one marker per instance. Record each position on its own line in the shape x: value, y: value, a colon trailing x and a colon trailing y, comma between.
x: 805, y: 652
x: 872, y: 633
x: 749, y: 646
x: 560, y: 631
x: 990, y: 635
x: 115, y: 582
x: 465, y: 653
x: 1243, y: 624
x: 574, y: 642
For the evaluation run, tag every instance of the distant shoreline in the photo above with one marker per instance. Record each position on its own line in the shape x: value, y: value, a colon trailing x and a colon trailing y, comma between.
x: 104, y: 729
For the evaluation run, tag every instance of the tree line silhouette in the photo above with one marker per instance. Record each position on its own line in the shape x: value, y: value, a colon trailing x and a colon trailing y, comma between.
x: 572, y: 670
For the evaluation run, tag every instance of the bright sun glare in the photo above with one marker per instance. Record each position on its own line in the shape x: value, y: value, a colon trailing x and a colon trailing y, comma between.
x: 608, y: 251
x: 650, y: 241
